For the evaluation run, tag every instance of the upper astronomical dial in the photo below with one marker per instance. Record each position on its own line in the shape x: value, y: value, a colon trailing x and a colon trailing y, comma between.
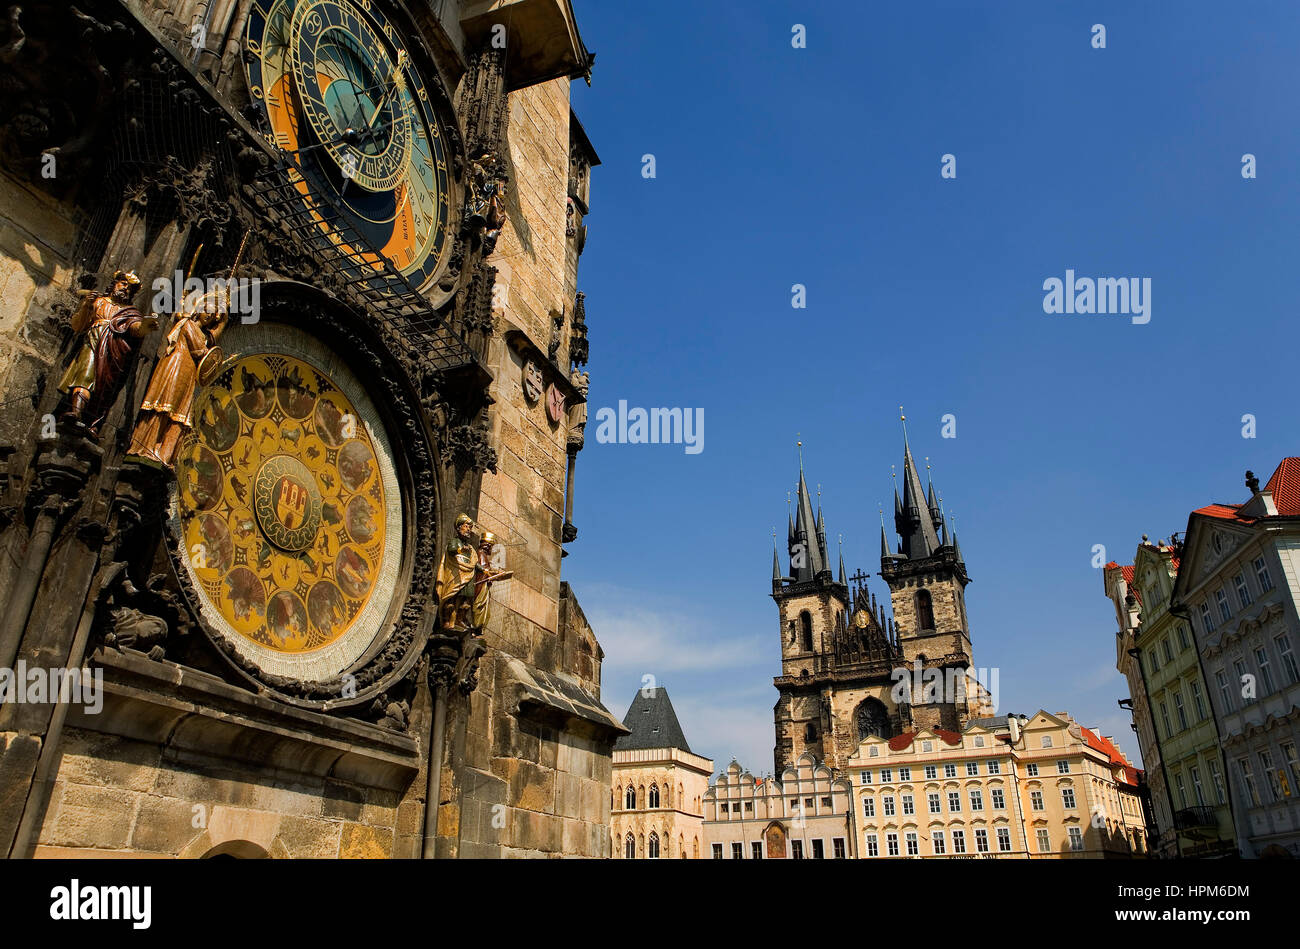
x: 350, y: 86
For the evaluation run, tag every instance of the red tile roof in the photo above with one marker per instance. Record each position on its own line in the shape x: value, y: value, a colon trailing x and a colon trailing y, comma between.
x: 1226, y: 512
x: 1285, y: 486
x: 899, y: 742
x: 1107, y: 748
x: 951, y: 738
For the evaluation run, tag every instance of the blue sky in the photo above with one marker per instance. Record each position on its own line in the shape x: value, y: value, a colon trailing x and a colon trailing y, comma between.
x: 821, y: 166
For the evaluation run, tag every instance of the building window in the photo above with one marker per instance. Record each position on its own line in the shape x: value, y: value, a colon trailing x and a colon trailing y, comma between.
x: 936, y: 805
x: 1067, y: 798
x: 652, y: 850
x: 1265, y: 670
x: 725, y: 807
x: 1044, y: 840
x: 927, y: 747
x: 905, y: 774
x: 1243, y: 595
x: 1182, y: 638
x: 1004, y: 839
x: 1270, y: 776
x: 837, y: 848
x: 1224, y: 692
x: 913, y: 847
x: 868, y: 807
x: 1289, y: 671
x: 908, y: 807
x: 950, y: 771
x: 1154, y: 659
x: 936, y: 838
x: 805, y: 627
x: 654, y: 796
x: 1182, y: 791
x: 886, y: 775
x: 994, y: 767
x: 1164, y: 717
x: 826, y: 802
x: 888, y: 802
x: 796, y: 849
x: 891, y: 845
x: 1199, y: 791
x: 819, y: 851
x: 1062, y: 767
x: 1198, y: 701
x: 1207, y: 618
x: 924, y: 610
x: 931, y: 772
x: 737, y: 851
x: 981, y: 840
x: 866, y: 777
x: 807, y: 804
x: 1036, y: 800
x: 1248, y: 779
x: 756, y: 849
x: 629, y: 847
x: 972, y: 769
x: 954, y: 801
x: 959, y: 841
x: 749, y: 807
x: 1217, y: 777
x: 1076, y: 838
x: 979, y: 741
x: 1178, y: 709
x: 810, y: 732
x: 1032, y: 770
x: 629, y: 799
x: 873, y: 845
x: 872, y: 719
x: 1047, y: 741
x: 1225, y: 609
x: 976, y: 800
x: 1292, y: 765
x: 1169, y: 654
x: 999, y: 799
x: 1239, y: 667
x: 1261, y: 574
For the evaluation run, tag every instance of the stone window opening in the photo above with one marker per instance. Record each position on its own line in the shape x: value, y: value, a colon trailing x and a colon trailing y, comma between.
x: 924, y: 610
x: 805, y: 624
x: 629, y: 800
x: 654, y: 798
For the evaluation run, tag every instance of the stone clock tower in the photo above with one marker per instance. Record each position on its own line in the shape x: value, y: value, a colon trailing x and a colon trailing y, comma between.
x: 292, y: 367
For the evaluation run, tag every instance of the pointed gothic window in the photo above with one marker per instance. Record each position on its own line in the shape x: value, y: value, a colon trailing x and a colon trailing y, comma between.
x: 653, y: 852
x: 805, y: 624
x: 654, y: 796
x: 629, y: 801
x: 629, y: 846
x: 924, y: 610
x: 872, y: 719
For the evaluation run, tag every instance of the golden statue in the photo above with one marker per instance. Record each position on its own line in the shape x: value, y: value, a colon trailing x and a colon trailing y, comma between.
x: 188, y: 358
x: 465, y: 578
x: 112, y: 328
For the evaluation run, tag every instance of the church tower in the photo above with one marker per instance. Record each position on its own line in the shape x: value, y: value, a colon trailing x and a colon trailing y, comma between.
x: 927, y: 579
x: 836, y: 649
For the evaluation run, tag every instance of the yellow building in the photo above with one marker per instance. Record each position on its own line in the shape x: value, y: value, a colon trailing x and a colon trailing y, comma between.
x: 659, y: 784
x: 1007, y: 787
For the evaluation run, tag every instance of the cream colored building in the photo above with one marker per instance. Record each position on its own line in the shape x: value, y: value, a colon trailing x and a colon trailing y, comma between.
x: 807, y: 814
x: 659, y: 784
x: 1007, y: 787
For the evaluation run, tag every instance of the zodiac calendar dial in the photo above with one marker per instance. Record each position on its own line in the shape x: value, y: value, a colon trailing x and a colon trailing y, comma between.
x: 282, y: 506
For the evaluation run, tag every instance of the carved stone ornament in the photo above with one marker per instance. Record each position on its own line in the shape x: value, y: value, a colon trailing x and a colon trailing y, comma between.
x: 534, y: 382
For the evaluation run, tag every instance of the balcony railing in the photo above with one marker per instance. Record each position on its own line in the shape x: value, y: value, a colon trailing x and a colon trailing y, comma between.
x: 1194, y: 818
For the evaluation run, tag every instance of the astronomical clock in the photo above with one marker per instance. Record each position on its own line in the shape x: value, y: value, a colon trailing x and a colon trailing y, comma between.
x: 339, y: 91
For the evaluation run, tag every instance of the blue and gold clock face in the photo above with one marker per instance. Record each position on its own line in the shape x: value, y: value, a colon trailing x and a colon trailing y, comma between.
x: 340, y: 93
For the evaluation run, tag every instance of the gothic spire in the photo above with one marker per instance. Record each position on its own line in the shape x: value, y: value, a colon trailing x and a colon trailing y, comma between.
x: 915, y: 526
x: 806, y: 558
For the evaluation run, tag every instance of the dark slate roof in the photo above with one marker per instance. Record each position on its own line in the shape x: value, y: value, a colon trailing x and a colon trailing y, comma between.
x: 652, y: 723
x: 987, y: 723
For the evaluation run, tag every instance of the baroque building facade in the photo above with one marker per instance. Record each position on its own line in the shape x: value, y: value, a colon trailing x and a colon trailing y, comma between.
x: 659, y: 784
x: 1238, y: 587
x: 292, y: 365
x: 1177, y: 731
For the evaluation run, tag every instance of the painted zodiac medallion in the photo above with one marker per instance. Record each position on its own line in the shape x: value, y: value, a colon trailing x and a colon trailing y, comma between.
x: 283, y: 506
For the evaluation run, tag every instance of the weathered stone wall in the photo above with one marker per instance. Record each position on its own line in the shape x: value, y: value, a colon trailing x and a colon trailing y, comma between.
x: 117, y: 797
x: 36, y: 242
